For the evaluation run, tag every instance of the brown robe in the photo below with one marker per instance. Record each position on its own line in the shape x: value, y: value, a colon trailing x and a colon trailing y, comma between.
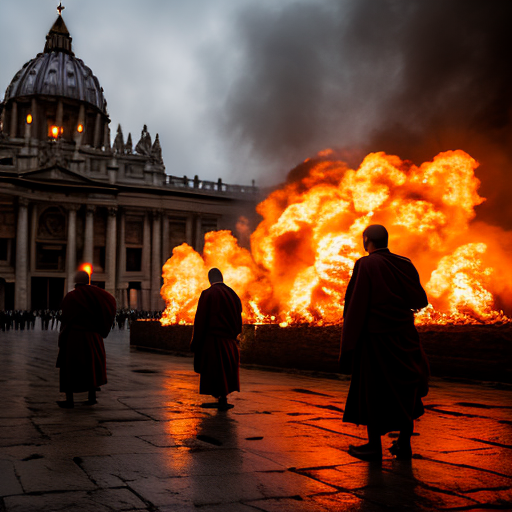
x: 87, y: 316
x: 217, y: 324
x: 389, y: 368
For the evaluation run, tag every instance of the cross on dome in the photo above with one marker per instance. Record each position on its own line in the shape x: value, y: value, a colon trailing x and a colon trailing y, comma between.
x: 60, y: 8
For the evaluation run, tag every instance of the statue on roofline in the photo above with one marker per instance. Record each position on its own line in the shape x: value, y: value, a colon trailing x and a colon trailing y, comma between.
x: 143, y: 147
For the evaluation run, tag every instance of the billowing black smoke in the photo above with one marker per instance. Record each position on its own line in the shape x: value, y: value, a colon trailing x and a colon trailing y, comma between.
x: 409, y: 77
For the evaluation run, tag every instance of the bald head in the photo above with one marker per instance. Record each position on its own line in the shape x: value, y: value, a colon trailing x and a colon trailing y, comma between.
x: 377, y: 235
x: 215, y: 276
x: 81, y: 277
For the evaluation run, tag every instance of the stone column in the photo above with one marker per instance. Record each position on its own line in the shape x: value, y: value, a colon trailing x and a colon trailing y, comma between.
x: 21, y: 283
x: 110, y: 256
x: 122, y: 285
x: 35, y: 119
x: 81, y: 122
x: 156, y: 261
x: 146, y: 264
x: 60, y: 115
x: 198, y: 243
x: 28, y: 131
x: 146, y: 249
x: 188, y: 231
x: 166, y: 252
x: 33, y: 236
x: 14, y: 120
x: 97, y: 131
x: 145, y: 300
x: 71, y: 247
x: 89, y: 235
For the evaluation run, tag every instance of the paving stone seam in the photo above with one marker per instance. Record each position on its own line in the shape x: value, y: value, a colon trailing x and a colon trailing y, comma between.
x: 492, y: 443
x: 326, y: 429
x: 150, y: 507
x: 39, y: 429
x: 467, y: 466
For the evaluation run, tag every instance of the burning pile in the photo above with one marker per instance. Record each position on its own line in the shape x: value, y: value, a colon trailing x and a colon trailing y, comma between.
x: 304, y: 249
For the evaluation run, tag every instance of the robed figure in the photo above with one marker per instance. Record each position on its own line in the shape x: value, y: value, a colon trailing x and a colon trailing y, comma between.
x: 88, y: 313
x: 217, y: 324
x: 389, y: 368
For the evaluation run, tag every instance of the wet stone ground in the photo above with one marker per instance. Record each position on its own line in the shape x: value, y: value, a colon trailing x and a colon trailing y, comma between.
x: 152, y: 444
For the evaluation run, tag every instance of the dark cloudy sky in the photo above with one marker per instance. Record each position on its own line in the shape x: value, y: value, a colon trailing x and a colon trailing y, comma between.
x: 246, y: 89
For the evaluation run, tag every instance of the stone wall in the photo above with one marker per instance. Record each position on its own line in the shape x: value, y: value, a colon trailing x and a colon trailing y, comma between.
x: 468, y: 352
x: 151, y: 335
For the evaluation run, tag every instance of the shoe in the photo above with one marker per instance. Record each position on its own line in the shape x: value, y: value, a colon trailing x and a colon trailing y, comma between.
x: 64, y: 404
x: 364, y: 452
x: 400, y: 452
x: 223, y: 404
x: 90, y: 402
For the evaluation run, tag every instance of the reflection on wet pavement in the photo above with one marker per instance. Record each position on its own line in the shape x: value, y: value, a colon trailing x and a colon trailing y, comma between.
x: 152, y: 443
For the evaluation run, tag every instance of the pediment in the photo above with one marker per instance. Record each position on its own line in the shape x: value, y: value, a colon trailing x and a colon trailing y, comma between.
x: 58, y: 174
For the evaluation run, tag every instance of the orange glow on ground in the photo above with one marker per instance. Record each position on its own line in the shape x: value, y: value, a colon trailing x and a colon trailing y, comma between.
x: 303, y: 251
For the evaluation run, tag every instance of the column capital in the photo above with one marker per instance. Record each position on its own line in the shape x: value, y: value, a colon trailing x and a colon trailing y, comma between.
x: 23, y: 201
x: 73, y: 207
x: 112, y: 211
x: 90, y: 208
x: 157, y: 213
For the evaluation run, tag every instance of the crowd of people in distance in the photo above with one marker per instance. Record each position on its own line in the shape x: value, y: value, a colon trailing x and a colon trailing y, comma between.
x: 124, y: 317
x: 49, y: 319
x: 20, y: 320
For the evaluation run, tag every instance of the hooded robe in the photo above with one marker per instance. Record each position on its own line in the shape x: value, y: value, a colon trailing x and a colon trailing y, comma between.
x: 217, y: 324
x: 87, y: 316
x: 389, y: 368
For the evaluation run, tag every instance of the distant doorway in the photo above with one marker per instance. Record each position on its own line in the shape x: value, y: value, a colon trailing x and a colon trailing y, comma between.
x: 134, y: 295
x: 47, y: 292
x: 6, y: 295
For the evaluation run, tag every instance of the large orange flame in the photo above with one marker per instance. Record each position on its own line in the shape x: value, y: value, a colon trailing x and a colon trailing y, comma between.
x: 304, y: 249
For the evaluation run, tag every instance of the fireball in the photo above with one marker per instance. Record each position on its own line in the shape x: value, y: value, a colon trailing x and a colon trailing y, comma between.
x: 303, y: 251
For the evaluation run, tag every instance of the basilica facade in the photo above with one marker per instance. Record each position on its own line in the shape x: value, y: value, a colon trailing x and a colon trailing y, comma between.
x: 68, y: 195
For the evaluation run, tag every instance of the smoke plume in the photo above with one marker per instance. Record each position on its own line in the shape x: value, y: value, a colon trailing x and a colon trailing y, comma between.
x: 411, y: 78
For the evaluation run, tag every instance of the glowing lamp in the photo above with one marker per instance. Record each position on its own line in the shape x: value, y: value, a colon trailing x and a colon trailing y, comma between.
x: 29, y: 119
x: 80, y: 128
x: 54, y: 131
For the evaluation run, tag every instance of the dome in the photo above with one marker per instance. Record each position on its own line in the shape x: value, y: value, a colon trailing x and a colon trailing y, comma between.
x: 57, y: 72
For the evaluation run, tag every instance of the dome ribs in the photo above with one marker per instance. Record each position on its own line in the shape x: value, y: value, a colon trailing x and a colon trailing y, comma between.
x: 55, y: 87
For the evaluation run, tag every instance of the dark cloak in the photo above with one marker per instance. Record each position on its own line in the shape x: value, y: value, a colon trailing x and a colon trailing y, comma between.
x: 389, y: 368
x: 87, y: 316
x: 217, y: 324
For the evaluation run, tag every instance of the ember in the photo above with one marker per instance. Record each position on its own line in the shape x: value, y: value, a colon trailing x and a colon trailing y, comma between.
x: 303, y: 251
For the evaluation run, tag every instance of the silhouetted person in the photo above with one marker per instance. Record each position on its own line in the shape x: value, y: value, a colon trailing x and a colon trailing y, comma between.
x: 389, y: 368
x: 217, y: 324
x: 87, y: 316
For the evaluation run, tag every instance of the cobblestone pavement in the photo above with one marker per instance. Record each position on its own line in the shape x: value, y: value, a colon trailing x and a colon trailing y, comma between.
x: 150, y: 444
